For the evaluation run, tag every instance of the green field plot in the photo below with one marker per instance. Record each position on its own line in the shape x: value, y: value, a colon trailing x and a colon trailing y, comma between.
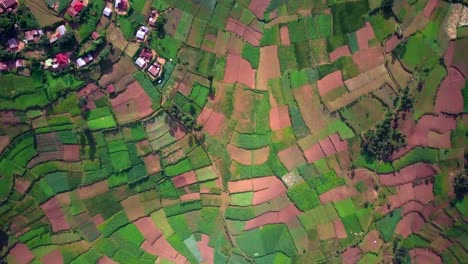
x: 419, y: 154
x: 168, y: 47
x: 424, y: 99
x: 364, y: 114
x: 206, y: 63
x: 113, y: 224
x: 199, y: 94
x: 382, y: 27
x: 299, y: 126
x: 296, y: 31
x: 197, y: 31
x: 120, y: 160
x: 205, y: 174
x: 183, y: 29
x: 198, y: 158
x: 267, y: 240
x: 387, y: 225
x: 241, y: 199
x: 303, y: 196
x: 187, y: 105
x: 348, y: 16
x: 150, y: 89
x: 324, y: 25
x: 415, y: 52
x: 251, y: 54
x: 220, y: 16
x: 325, y: 182
x: 90, y: 23
x: 178, y: 168
x: 287, y: 58
x: 250, y: 141
x: 270, y: 36
x: 301, y: 51
x: 345, y: 207
x: 319, y: 215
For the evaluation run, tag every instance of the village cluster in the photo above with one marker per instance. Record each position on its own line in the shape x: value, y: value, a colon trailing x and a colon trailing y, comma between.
x: 148, y: 60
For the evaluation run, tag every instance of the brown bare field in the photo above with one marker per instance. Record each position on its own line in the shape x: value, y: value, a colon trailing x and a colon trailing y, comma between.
x: 54, y: 214
x: 351, y: 255
x: 132, y: 104
x: 408, y: 174
x: 133, y: 207
x: 363, y: 36
x: 245, y: 157
x: 206, y: 251
x: 430, y: 7
x: 152, y: 163
x: 401, y: 76
x: 241, y: 186
x: 405, y: 193
x: 340, y: 231
x: 45, y: 156
x: 268, y: 67
x: 106, y: 260
x: 244, y: 107
x: 460, y: 62
x: 440, y: 244
x: 449, y: 98
x: 326, y: 231
x: 327, y: 146
x: 279, y: 117
x: 284, y: 36
x: 372, y: 242
x: 71, y: 153
x: 410, y: 223
x: 309, y: 105
x: 368, y: 59
x: 392, y: 43
x: 243, y: 31
x: 190, y: 197
x: 53, y: 257
x: 98, y: 219
x: 117, y: 74
x: 239, y: 70
x: 365, y: 78
x: 340, y: 145
x: 92, y: 190
x: 330, y: 82
x: 185, y: 179
x: 412, y: 206
x: 4, y: 142
x: 421, y: 255
x: 213, y: 121
x: 291, y: 157
x: 313, y: 153
x: 339, y: 52
x: 148, y: 229
x: 21, y: 185
x: 285, y: 215
x: 21, y: 253
x: 114, y: 35
x: 258, y: 7
x: 337, y: 194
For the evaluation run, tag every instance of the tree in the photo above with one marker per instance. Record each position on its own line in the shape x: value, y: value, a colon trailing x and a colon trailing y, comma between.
x: 460, y: 185
x: 159, y: 26
x: 386, y: 7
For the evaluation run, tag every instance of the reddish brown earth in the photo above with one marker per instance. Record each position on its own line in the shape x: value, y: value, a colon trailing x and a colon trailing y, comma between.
x: 206, y: 251
x: 430, y: 7
x: 368, y: 58
x: 132, y: 104
x: 92, y: 190
x: 337, y: 194
x: 248, y: 157
x: 279, y: 117
x: 330, y: 82
x: 431, y: 209
x: 249, y: 34
x: 71, y: 153
x: 268, y: 67
x: 148, y: 229
x: 372, y: 242
x: 92, y: 93
x: 239, y: 70
x: 54, y: 214
x: 9, y: 117
x: 185, y: 179
x: 405, y: 193
x: 327, y: 146
x: 408, y: 174
x: 449, y: 98
x: 291, y: 157
x: 340, y: 145
x: 266, y: 189
x: 351, y: 255
x: 152, y: 163
x: 285, y: 215
x: 420, y: 255
x: 460, y: 62
x: 363, y: 36
x: 106, y: 260
x: 258, y: 7
x: 392, y: 43
x: 212, y: 120
x: 410, y: 223
x: 133, y: 207
x: 54, y: 257
x: 190, y: 197
x: 443, y: 220
x: 4, y: 142
x: 241, y: 186
x: 284, y: 35
x: 98, y: 219
x: 340, y: 52
x: 45, y: 156
x: 449, y: 53
x: 340, y: 231
x: 21, y: 253
x: 412, y: 206
x: 314, y: 153
x: 21, y: 185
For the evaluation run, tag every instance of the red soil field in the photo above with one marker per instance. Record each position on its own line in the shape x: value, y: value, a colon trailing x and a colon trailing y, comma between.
x: 283, y: 216
x: 420, y: 255
x: 204, y: 115
x: 206, y: 251
x: 45, y: 156
x: 368, y: 58
x: 54, y: 214
x: 249, y: 34
x: 340, y: 52
x: 431, y: 209
x: 410, y: 223
x: 327, y: 146
x: 330, y: 82
x: 163, y: 249
x: 148, y: 229
x: 340, y: 145
x: 392, y: 43
x: 266, y: 189
x: 442, y: 219
x: 405, y: 193
x: 21, y: 185
x: 284, y: 35
x: 92, y: 93
x: 106, y: 260
x: 408, y: 174
x: 460, y: 62
x: 132, y: 104
x: 21, y: 253
x: 268, y: 67
x: 54, y: 257
x: 351, y: 255
x: 9, y: 117
x: 152, y: 163
x: 71, y: 153
x: 291, y: 157
x: 177, y: 130
x: 279, y: 117
x: 98, y: 219
x: 363, y: 36
x: 258, y: 7
x: 337, y: 194
x: 372, y: 242
x: 240, y: 186
x: 4, y: 141
x: 94, y: 189
x: 340, y: 231
x: 214, y: 122
x: 185, y: 179
x: 190, y: 197
x: 239, y: 70
x: 246, y: 157
x: 412, y: 206
x: 313, y: 153
x: 449, y: 53
x: 430, y: 7
x: 133, y: 207
x: 449, y: 97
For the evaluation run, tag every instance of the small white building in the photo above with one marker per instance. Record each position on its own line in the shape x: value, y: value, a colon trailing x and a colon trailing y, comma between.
x: 62, y: 30
x: 140, y: 62
x: 80, y: 62
x: 107, y: 12
x: 141, y: 33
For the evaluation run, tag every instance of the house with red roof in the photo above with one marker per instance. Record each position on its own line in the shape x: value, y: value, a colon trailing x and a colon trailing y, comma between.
x: 75, y: 7
x: 121, y: 6
x: 8, y: 4
x: 3, y: 66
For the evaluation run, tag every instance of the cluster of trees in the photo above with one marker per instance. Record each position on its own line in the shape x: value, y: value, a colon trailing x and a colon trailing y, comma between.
x: 460, y: 185
x: 159, y: 26
x: 188, y: 121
